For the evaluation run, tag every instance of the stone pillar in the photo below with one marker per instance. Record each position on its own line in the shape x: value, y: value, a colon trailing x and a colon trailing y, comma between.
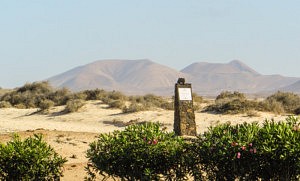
x: 184, y: 116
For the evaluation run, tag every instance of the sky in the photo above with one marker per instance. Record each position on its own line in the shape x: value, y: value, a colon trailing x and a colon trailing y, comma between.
x: 43, y: 38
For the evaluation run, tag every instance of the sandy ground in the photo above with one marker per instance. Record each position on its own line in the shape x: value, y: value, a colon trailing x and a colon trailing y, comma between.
x: 70, y: 134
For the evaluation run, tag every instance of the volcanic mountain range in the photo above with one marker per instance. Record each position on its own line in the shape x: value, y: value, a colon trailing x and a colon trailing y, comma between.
x: 136, y: 77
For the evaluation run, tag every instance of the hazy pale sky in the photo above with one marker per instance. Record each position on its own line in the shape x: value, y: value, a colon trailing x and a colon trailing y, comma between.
x: 42, y: 38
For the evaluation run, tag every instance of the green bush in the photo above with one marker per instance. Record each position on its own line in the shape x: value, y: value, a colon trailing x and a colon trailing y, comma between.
x: 248, y: 152
x: 31, y: 159
x: 74, y: 105
x: 278, y: 145
x: 224, y: 152
x: 140, y: 152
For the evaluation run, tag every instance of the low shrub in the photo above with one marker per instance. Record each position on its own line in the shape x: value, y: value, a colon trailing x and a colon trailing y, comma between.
x: 197, y: 98
x: 134, y: 107
x: 114, y: 95
x: 5, y: 104
x: 224, y: 152
x: 235, y: 103
x: 45, y: 105
x: 20, y: 106
x: 31, y: 159
x: 96, y: 94
x: 78, y: 95
x: 116, y: 104
x: 140, y: 152
x: 272, y: 105
x: 60, y: 96
x: 167, y: 105
x: 74, y: 105
x: 297, y: 111
x: 234, y: 106
x: 248, y: 151
x: 150, y: 101
x: 252, y: 113
x: 278, y: 150
x: 32, y: 94
x: 227, y: 95
x: 288, y: 101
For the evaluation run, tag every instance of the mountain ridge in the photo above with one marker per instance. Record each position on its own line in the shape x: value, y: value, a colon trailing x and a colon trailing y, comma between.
x: 144, y: 76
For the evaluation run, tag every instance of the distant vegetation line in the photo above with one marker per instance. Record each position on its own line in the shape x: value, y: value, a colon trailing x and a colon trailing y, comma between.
x: 43, y: 96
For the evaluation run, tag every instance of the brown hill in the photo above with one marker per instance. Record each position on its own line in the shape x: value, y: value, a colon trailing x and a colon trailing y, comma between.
x: 295, y: 87
x: 213, y: 78
x: 145, y: 76
x: 128, y: 76
x: 232, y: 67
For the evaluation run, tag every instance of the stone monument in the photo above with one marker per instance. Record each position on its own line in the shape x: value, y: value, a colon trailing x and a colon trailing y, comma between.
x: 184, y: 116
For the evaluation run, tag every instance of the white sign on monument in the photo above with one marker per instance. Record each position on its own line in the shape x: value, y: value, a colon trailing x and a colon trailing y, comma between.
x: 185, y: 94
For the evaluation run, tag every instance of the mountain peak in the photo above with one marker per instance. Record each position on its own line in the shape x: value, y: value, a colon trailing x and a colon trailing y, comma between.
x: 242, y: 67
x: 129, y: 76
x: 232, y: 67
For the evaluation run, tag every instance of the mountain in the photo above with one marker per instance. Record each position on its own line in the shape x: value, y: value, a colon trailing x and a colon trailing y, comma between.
x: 232, y: 67
x: 295, y: 87
x: 213, y: 78
x: 145, y: 76
x: 128, y: 76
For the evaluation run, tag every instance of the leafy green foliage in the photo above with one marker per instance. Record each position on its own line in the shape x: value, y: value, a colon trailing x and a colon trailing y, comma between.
x: 140, y: 152
x: 278, y: 147
x: 248, y: 151
x: 31, y: 159
x: 225, y: 151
